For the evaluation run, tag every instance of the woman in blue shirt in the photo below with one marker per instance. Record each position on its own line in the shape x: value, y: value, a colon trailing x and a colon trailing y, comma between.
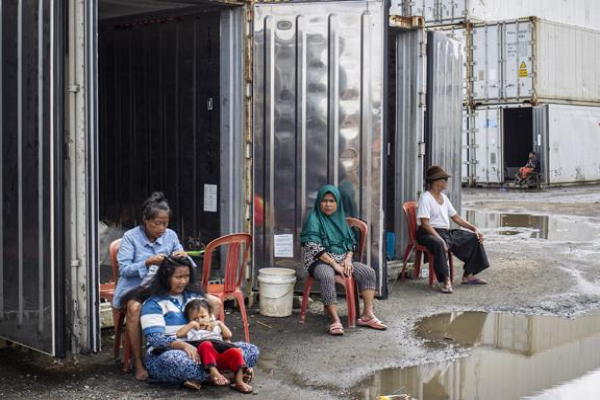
x: 172, y: 359
x: 142, y: 250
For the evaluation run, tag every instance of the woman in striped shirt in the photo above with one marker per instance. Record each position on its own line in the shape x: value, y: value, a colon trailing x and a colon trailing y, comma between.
x: 168, y: 358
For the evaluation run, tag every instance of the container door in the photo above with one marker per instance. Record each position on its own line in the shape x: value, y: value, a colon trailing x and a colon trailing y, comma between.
x: 468, y: 148
x: 318, y: 112
x: 541, y: 143
x: 517, y: 61
x: 445, y: 58
x: 409, y: 136
x: 31, y: 239
x: 489, y: 166
x: 486, y: 66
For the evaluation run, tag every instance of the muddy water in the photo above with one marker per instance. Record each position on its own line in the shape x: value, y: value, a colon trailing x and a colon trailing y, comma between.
x: 513, y: 357
x: 533, y: 226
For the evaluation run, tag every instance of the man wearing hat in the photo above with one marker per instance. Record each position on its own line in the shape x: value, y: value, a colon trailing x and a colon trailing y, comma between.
x: 433, y: 215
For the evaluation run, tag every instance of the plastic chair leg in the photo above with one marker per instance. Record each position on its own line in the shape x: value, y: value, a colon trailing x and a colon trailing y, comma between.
x: 118, y: 319
x: 240, y: 298
x: 222, y: 310
x: 307, y: 286
x: 451, y: 265
x: 356, y: 299
x: 405, y: 262
x: 417, y: 266
x: 431, y: 269
x: 350, y: 296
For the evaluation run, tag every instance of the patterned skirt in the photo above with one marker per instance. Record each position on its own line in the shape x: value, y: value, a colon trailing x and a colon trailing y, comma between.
x: 176, y: 366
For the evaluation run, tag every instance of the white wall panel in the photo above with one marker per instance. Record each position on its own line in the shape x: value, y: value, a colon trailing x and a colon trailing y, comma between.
x: 574, y: 143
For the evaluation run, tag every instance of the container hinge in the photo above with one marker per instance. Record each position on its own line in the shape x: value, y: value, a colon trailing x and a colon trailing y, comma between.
x: 74, y: 88
x: 421, y: 152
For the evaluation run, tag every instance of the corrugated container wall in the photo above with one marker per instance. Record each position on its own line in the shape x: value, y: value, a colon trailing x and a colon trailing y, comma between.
x: 318, y: 79
x: 573, y: 141
x: 532, y: 61
x: 449, y: 12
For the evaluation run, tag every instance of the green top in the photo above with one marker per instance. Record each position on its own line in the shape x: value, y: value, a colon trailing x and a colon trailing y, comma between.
x: 332, y: 232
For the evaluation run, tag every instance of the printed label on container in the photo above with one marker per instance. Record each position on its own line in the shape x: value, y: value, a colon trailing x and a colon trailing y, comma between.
x: 523, y: 70
x: 284, y: 245
x: 210, y: 198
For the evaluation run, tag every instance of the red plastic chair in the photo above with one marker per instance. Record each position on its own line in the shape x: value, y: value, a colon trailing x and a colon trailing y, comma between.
x: 410, y: 212
x: 118, y: 315
x: 234, y: 272
x: 348, y: 283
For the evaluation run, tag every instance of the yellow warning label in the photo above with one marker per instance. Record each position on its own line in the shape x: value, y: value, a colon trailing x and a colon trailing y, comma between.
x: 523, y: 70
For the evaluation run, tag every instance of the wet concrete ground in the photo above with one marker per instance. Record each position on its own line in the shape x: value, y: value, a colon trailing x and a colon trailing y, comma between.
x: 541, y: 265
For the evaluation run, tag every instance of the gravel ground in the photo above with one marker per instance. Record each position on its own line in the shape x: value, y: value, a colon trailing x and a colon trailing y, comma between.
x: 528, y: 275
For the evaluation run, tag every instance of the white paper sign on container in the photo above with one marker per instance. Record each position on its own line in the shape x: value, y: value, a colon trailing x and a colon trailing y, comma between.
x: 210, y: 198
x: 284, y: 245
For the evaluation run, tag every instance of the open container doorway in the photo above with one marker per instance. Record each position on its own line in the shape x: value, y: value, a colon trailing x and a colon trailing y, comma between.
x: 170, y: 116
x: 517, y: 139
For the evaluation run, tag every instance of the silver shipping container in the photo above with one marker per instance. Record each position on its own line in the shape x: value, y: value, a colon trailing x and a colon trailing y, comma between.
x: 32, y: 159
x: 318, y: 74
x: 427, y: 116
x: 584, y: 13
x: 532, y: 61
x: 565, y: 138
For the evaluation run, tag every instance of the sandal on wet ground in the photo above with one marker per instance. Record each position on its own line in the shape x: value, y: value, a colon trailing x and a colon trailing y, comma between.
x: 474, y: 281
x: 192, y: 385
x: 446, y: 289
x: 218, y: 380
x: 372, y: 323
x: 336, y: 329
x: 241, y: 387
x: 248, y: 375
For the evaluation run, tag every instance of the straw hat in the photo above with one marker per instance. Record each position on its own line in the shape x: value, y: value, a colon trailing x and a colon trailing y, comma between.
x: 436, y: 172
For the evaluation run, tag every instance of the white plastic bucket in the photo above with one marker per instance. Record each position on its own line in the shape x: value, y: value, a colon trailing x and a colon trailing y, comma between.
x: 276, y: 290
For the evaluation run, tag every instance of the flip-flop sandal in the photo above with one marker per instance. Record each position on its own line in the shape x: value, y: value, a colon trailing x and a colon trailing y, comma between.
x: 474, y: 281
x: 215, y: 381
x: 248, y: 375
x: 192, y: 385
x: 446, y: 289
x: 336, y: 329
x: 242, y: 389
x: 372, y: 323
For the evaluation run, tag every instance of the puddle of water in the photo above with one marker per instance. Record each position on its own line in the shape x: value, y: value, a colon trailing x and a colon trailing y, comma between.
x: 532, y: 226
x: 514, y: 356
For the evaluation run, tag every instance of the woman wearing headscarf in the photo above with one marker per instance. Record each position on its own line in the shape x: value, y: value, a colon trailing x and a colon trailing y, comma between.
x: 328, y: 245
x: 433, y: 215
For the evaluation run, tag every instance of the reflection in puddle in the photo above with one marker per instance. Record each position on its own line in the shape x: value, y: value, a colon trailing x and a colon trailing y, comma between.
x: 532, y: 226
x: 514, y: 356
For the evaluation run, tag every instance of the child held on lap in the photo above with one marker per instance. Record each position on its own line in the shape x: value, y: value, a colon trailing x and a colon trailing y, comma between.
x: 216, y: 352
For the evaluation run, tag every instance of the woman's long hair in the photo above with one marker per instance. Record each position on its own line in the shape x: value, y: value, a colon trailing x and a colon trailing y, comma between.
x: 161, y: 284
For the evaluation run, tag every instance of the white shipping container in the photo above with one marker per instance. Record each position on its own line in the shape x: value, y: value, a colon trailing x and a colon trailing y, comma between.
x: 460, y: 33
x: 533, y: 60
x: 565, y: 137
x: 486, y: 154
x: 585, y: 13
x: 573, y: 144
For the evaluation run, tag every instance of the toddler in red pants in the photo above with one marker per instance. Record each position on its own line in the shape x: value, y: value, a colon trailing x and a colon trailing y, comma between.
x: 216, y: 352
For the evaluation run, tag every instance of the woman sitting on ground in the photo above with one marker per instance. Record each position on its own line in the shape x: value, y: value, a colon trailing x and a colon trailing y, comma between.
x: 328, y: 245
x: 142, y: 250
x: 169, y: 358
x: 433, y: 214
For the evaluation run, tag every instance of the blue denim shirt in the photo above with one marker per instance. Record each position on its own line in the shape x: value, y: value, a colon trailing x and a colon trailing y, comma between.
x: 135, y: 249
